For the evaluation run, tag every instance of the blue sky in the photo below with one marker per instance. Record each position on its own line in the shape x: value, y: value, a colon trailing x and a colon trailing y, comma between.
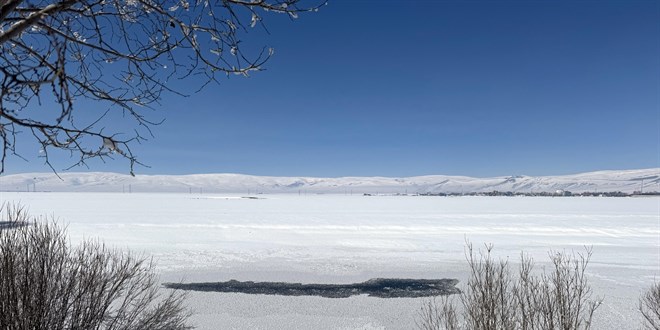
x: 403, y: 88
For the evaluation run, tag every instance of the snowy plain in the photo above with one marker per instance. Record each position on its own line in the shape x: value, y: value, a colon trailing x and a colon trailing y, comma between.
x: 346, y: 239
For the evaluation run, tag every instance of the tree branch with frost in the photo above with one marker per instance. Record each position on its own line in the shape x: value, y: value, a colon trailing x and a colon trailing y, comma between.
x: 122, y: 55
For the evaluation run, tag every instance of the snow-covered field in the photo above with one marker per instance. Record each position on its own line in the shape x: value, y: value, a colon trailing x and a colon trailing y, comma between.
x: 345, y: 239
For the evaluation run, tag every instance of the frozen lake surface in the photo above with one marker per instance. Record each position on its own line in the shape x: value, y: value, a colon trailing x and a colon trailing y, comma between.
x: 348, y: 239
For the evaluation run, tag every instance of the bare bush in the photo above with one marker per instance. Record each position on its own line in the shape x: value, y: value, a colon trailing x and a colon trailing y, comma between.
x: 46, y: 283
x: 15, y: 216
x: 495, y: 299
x: 487, y: 297
x: 649, y: 305
x: 438, y: 315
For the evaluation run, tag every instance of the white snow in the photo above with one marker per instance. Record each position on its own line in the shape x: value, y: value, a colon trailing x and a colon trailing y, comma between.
x: 342, y: 238
x: 627, y: 181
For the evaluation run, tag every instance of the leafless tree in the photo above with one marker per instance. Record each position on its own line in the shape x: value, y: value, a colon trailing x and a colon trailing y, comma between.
x: 46, y: 283
x: 120, y: 56
x: 649, y: 305
x: 495, y: 299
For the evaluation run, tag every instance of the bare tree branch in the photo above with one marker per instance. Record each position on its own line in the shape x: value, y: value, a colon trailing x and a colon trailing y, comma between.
x: 123, y: 55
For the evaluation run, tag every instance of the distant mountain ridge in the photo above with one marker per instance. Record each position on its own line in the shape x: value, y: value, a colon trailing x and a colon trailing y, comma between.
x: 626, y: 181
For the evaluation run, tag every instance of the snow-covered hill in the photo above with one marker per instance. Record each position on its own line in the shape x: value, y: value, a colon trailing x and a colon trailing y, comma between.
x: 601, y: 181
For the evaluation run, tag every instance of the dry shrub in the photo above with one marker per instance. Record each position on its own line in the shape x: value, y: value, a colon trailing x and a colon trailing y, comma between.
x: 649, y: 305
x: 438, y: 315
x: 495, y: 299
x: 46, y: 283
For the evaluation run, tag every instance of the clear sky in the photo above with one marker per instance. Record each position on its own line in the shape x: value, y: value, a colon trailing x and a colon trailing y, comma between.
x: 404, y: 88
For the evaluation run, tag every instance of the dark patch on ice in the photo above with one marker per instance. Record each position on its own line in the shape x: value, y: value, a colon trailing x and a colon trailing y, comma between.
x: 12, y: 224
x: 378, y: 287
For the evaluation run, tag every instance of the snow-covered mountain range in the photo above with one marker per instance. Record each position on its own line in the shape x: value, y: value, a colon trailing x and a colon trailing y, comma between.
x: 626, y: 181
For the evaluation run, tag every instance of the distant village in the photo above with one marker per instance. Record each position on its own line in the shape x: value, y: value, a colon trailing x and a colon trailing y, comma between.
x: 558, y: 193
